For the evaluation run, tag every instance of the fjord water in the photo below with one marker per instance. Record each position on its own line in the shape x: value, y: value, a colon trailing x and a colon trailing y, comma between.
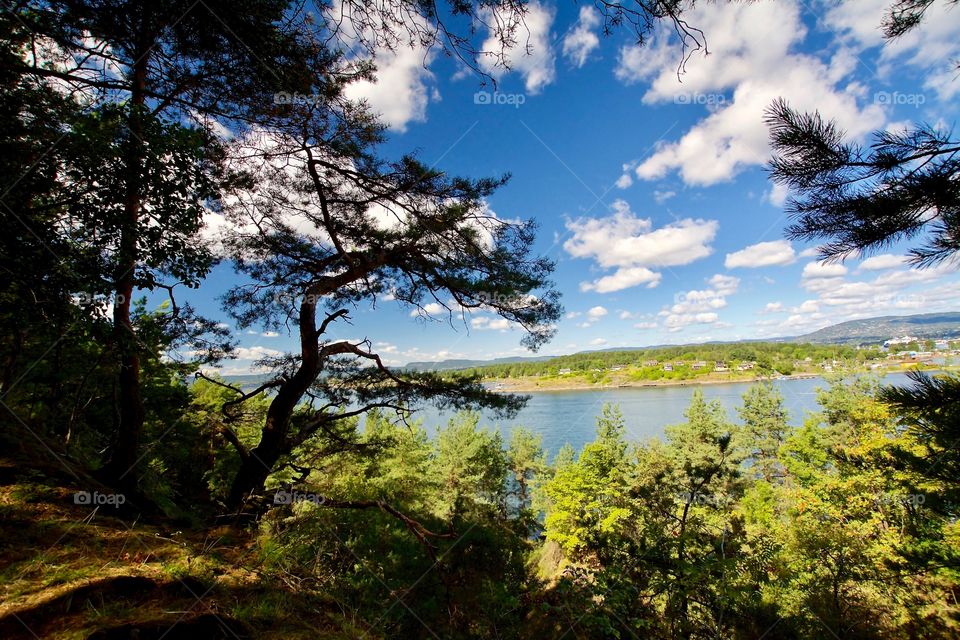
x: 570, y: 416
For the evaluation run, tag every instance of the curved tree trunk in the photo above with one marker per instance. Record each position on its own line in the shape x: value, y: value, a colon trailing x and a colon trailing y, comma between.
x: 255, y: 467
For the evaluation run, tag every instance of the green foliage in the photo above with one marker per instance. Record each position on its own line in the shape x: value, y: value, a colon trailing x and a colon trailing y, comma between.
x: 824, y: 531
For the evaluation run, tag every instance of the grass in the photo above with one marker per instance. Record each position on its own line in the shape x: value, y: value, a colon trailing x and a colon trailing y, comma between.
x: 70, y: 570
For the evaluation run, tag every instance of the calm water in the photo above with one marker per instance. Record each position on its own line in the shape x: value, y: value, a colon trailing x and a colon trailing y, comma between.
x: 570, y: 416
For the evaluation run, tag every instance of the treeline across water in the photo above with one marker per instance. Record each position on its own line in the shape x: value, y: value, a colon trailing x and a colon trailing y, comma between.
x: 769, y: 357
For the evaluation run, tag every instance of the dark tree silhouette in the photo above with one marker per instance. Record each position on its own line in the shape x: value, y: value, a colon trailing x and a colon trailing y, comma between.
x: 332, y: 227
x: 903, y: 186
x: 931, y: 410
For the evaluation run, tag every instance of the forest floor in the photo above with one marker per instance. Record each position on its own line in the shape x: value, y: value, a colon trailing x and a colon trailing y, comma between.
x: 76, y: 571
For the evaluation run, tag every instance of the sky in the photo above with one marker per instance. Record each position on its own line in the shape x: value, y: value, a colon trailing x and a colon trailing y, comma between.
x: 650, y: 190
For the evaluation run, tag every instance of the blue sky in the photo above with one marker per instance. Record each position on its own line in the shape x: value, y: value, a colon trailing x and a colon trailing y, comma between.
x: 650, y: 192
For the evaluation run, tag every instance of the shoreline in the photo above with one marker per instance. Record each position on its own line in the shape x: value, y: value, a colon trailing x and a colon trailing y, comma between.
x: 523, y: 386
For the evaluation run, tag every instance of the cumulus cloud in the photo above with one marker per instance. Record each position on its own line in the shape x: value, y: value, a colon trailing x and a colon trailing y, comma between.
x: 753, y: 61
x: 486, y: 323
x: 531, y: 55
x: 820, y: 270
x: 400, y: 90
x: 699, y: 306
x: 582, y: 39
x: 762, y: 254
x: 773, y: 307
x: 623, y: 279
x: 630, y: 245
x: 597, y: 312
x: 882, y: 262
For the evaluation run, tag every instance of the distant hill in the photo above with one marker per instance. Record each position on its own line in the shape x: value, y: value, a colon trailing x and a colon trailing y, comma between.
x: 876, y: 330
x: 866, y: 331
x: 444, y: 365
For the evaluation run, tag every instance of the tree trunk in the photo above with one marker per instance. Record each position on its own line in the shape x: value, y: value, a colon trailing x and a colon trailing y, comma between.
x: 255, y: 468
x: 273, y: 438
x: 125, y: 454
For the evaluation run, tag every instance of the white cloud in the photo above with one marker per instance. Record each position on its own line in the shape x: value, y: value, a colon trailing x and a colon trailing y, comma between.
x: 270, y: 334
x: 645, y: 325
x: 807, y: 306
x: 882, y: 262
x: 752, y: 63
x: 762, y: 254
x: 777, y: 196
x: 809, y: 252
x: 624, y: 181
x: 631, y: 245
x: 931, y: 48
x: 431, y: 308
x: 662, y: 196
x: 400, y: 91
x: 598, y: 342
x: 773, y: 307
x: 486, y: 323
x: 531, y: 55
x: 255, y: 353
x: 597, y: 312
x: 582, y: 39
x: 677, y: 322
x: 385, y: 347
x: 819, y: 270
x: 699, y: 306
x: 623, y: 279
x: 723, y: 284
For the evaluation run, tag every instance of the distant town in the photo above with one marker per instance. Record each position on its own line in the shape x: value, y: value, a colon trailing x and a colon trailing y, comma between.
x: 717, y: 363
